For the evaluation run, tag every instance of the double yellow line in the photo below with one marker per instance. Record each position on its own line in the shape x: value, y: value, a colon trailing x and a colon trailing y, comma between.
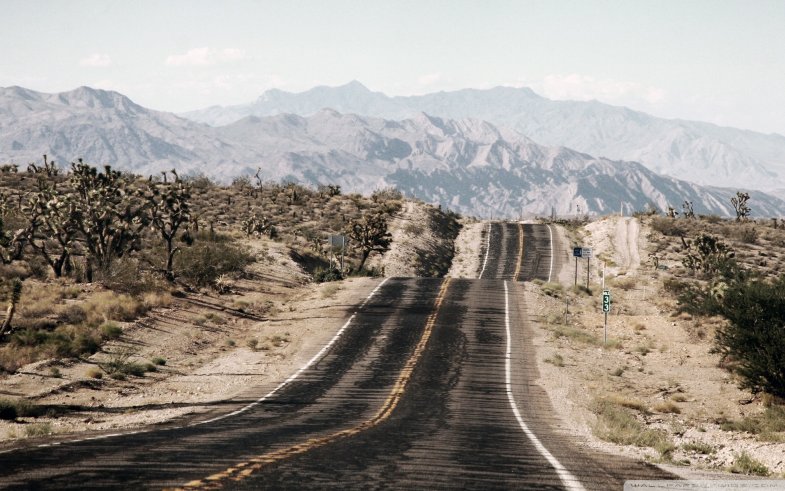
x: 245, y: 469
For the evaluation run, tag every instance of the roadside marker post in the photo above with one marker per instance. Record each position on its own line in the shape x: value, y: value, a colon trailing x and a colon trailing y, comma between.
x: 606, y: 307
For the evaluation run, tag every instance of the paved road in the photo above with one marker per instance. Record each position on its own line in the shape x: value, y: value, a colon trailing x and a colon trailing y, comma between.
x: 431, y: 385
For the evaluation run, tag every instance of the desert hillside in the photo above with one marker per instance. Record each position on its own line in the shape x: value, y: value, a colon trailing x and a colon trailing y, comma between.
x: 251, y: 295
x: 656, y: 389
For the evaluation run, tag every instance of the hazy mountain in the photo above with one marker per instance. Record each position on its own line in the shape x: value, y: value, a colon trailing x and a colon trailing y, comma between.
x: 467, y: 164
x: 699, y: 152
x: 103, y: 127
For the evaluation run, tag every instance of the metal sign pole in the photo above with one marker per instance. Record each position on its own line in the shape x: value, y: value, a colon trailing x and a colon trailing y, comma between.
x: 576, y: 271
x: 588, y: 270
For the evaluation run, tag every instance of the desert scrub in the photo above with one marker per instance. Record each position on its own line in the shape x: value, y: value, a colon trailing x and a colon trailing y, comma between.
x: 699, y: 447
x: 329, y: 291
x: 767, y: 426
x: 667, y: 407
x: 617, y: 424
x: 628, y: 402
x: 10, y: 409
x: 38, y: 429
x: 744, y: 464
x: 552, y: 289
x: 581, y: 336
x: 109, y: 306
x: 203, y: 262
x: 119, y: 366
x: 556, y: 360
x: 110, y: 330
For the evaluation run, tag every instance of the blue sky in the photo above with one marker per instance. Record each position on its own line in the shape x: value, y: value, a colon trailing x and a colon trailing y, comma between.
x: 712, y: 60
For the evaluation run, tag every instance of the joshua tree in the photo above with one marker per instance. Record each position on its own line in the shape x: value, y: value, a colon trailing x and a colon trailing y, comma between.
x: 688, y: 210
x: 370, y: 234
x: 739, y: 203
x: 53, y: 227
x: 169, y: 209
x: 49, y: 168
x: 110, y: 217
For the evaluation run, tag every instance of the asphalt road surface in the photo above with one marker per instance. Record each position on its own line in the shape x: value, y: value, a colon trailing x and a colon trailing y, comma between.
x: 430, y: 385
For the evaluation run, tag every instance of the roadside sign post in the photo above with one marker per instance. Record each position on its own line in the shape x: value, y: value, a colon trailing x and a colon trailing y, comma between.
x: 577, y: 252
x: 586, y: 252
x: 606, y: 307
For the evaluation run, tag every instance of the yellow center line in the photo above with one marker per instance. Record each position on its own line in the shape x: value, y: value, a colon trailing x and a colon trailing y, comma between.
x: 245, y: 469
x: 520, y: 253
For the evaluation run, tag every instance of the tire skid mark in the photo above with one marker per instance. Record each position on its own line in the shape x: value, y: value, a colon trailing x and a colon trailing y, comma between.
x: 243, y: 470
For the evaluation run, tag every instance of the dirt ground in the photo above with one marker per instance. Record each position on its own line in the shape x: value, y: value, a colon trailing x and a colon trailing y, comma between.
x: 653, y: 360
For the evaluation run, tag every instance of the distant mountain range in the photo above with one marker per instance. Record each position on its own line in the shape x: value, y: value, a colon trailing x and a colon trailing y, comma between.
x: 699, y: 152
x: 468, y: 165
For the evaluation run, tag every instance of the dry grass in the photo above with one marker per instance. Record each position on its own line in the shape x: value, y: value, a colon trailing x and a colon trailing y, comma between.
x: 744, y: 464
x: 618, y: 425
x: 767, y: 426
x: 329, y: 290
x: 667, y: 407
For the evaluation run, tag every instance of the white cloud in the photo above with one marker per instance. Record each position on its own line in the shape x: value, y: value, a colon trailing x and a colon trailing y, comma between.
x: 206, y: 56
x: 585, y: 87
x: 96, y: 60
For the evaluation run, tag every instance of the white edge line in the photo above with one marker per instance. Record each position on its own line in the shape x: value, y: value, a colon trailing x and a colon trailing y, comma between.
x: 243, y: 409
x: 487, y: 250
x: 550, y: 271
x: 569, y: 481
x: 303, y: 368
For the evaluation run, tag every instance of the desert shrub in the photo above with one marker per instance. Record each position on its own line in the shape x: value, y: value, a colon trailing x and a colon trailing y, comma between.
x: 710, y: 256
x: 119, y: 366
x: 38, y: 429
x: 668, y: 226
x: 16, y: 269
x: 744, y: 464
x: 72, y: 314
x: 667, y: 407
x: 110, y: 330
x: 323, y: 275
x: 204, y: 262
x: 699, y: 447
x: 11, y: 409
x: 753, y: 337
x: 110, y: 306
x: 674, y: 285
x: 126, y: 275
x: 766, y: 424
x: 618, y: 425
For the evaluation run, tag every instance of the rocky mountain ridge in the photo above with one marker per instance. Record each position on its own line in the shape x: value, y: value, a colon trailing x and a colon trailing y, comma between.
x: 699, y: 152
x: 469, y: 165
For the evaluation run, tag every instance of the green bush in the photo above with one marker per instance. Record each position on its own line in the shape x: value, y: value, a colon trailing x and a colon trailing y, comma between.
x: 322, y: 275
x: 754, y: 337
x: 204, y: 262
